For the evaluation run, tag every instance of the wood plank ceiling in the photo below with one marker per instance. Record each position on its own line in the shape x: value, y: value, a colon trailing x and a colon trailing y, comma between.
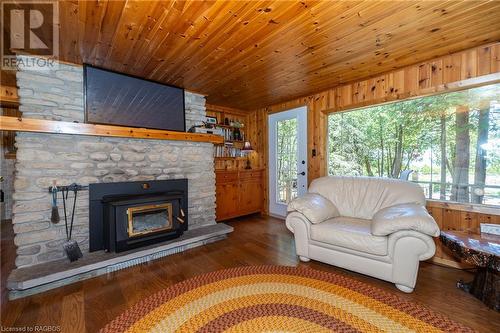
x: 249, y: 54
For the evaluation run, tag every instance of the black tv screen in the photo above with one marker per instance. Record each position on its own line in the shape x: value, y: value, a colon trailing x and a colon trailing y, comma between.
x: 123, y: 100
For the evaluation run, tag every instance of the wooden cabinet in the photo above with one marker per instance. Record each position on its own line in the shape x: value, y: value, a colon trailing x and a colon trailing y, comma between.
x: 227, y: 199
x: 238, y: 193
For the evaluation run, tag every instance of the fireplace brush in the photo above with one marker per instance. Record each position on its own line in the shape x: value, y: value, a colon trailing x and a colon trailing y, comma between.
x: 71, y: 247
x: 54, y: 215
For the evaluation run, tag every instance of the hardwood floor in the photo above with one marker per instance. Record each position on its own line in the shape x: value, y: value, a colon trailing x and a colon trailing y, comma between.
x: 87, y: 306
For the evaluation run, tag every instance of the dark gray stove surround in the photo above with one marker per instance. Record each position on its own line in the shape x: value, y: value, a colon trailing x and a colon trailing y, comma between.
x: 110, y: 204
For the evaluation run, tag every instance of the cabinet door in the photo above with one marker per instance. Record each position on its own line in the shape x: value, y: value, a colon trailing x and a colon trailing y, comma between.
x: 250, y: 196
x: 226, y: 200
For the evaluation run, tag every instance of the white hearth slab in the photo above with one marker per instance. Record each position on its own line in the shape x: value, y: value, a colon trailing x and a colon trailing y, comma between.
x: 31, y: 280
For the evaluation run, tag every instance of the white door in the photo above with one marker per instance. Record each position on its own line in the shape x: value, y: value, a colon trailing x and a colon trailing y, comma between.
x: 287, y: 158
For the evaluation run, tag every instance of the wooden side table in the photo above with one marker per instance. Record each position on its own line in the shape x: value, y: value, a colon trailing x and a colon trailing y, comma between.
x: 483, y: 251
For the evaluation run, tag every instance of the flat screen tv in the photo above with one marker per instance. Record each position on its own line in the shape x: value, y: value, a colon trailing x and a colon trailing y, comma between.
x: 119, y: 99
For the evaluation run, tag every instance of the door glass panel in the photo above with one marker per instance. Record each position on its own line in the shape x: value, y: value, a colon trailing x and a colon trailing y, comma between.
x: 286, y: 160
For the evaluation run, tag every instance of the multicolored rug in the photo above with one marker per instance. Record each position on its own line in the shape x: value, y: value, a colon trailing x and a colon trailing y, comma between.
x: 277, y: 298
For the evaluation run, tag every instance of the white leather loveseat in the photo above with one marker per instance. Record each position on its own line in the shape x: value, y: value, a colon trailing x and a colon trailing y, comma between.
x: 374, y: 226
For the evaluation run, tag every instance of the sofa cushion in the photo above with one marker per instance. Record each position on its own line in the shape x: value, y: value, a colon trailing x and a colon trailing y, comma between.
x: 351, y: 233
x: 314, y: 206
x: 362, y: 197
x: 404, y: 217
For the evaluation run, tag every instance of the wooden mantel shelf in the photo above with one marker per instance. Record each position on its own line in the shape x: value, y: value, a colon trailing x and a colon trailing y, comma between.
x: 63, y: 127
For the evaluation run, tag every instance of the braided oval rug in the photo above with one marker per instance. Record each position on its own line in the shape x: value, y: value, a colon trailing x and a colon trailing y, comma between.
x: 278, y: 299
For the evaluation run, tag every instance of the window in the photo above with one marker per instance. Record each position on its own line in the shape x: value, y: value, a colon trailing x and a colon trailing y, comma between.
x: 286, y: 166
x: 448, y: 143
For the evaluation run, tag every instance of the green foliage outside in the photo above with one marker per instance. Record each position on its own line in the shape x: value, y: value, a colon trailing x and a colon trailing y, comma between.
x: 451, y: 140
x: 286, y: 166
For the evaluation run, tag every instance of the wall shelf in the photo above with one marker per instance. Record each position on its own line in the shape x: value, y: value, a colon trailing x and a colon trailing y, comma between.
x: 63, y: 127
x: 228, y: 126
x: 223, y: 153
x: 230, y: 158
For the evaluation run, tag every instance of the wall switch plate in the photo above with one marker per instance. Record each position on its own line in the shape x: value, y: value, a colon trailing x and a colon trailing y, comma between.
x: 490, y: 228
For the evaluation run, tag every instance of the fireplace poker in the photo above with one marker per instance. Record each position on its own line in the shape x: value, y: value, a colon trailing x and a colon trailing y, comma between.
x: 71, y: 247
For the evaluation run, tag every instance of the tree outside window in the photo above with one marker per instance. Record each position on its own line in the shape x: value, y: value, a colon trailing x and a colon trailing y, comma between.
x: 451, y: 142
x: 286, y: 160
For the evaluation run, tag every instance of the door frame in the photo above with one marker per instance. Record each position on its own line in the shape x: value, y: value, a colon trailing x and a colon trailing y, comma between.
x: 278, y: 209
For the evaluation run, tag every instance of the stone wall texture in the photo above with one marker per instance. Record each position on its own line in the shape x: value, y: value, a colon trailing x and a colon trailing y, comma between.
x: 45, y: 158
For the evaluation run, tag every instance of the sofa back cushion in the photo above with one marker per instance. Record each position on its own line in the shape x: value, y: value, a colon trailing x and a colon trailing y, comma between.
x: 362, y: 197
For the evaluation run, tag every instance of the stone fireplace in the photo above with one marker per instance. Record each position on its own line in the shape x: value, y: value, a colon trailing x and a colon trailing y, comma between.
x: 65, y: 159
x: 128, y: 215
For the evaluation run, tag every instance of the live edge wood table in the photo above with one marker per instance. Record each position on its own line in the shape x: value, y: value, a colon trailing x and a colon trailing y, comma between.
x: 483, y: 251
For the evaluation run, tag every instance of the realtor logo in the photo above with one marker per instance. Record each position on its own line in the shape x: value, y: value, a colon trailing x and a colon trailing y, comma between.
x: 29, y: 28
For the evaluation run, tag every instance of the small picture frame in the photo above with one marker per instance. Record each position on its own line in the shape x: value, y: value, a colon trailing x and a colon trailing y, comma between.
x: 211, y: 120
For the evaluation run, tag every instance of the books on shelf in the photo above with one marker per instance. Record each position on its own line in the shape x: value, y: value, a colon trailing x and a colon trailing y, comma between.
x: 231, y: 134
x: 227, y: 150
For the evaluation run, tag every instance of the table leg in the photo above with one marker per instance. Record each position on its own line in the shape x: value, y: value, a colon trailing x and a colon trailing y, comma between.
x: 485, y: 287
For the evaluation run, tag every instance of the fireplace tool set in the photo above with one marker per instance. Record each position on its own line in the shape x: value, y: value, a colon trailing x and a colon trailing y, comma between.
x: 70, y: 247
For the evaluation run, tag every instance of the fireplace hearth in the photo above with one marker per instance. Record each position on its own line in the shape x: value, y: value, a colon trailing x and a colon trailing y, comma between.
x: 129, y: 215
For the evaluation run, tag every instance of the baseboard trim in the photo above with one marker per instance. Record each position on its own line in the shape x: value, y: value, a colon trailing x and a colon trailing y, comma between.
x: 279, y: 217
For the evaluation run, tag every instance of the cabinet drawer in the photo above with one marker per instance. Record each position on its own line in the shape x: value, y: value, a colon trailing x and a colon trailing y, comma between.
x: 226, y: 177
x: 251, y: 175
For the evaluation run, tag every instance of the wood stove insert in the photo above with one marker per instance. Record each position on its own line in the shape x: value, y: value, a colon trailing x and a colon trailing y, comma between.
x: 128, y: 215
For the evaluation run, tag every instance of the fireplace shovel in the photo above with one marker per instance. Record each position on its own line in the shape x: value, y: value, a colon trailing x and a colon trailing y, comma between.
x: 71, y: 247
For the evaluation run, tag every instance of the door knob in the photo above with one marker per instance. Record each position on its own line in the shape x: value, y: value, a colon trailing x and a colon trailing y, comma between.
x: 303, y: 173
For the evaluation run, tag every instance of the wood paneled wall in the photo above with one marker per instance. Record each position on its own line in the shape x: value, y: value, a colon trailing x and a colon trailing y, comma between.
x: 9, y: 106
x: 217, y: 111
x: 457, y: 71
x: 8, y: 95
x: 258, y: 132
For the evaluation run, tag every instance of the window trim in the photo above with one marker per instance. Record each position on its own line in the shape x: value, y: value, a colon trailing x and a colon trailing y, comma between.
x: 465, y: 207
x: 466, y: 84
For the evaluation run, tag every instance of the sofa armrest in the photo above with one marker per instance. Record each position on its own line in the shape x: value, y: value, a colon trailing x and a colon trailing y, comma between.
x: 424, y: 247
x: 296, y: 221
x: 406, y: 249
x: 300, y: 226
x: 404, y: 217
x: 314, y: 207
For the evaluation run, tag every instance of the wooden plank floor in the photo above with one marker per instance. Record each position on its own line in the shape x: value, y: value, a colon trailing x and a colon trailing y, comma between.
x: 87, y: 306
